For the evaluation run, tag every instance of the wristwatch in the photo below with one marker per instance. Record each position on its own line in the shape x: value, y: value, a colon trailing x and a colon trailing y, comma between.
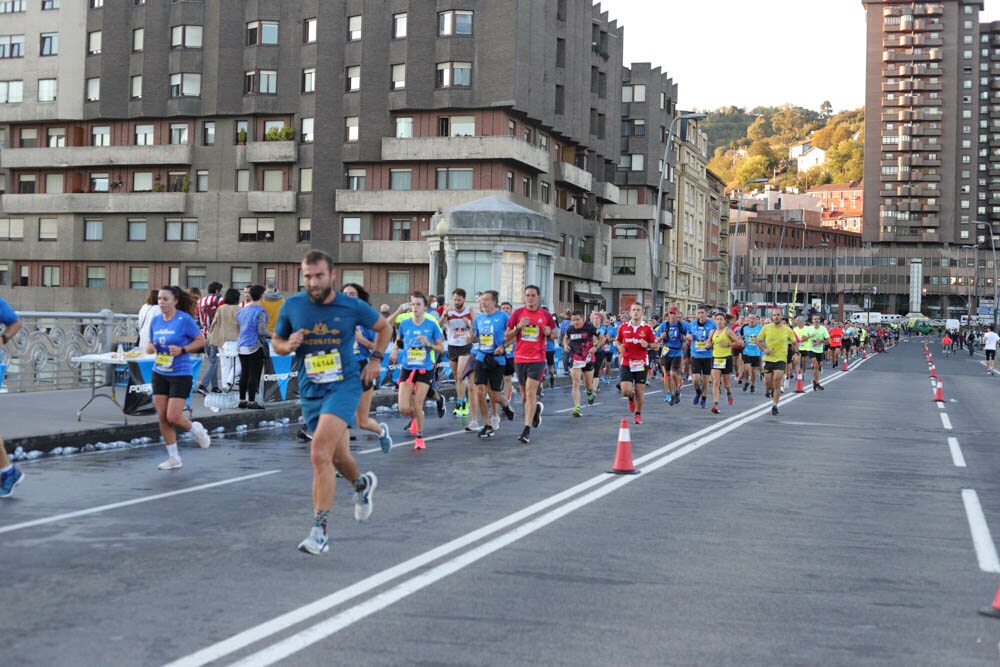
x: 376, y: 355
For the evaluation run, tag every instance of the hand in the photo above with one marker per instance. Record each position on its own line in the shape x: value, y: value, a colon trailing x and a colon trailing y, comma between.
x: 150, y: 348
x: 423, y: 341
x: 393, y: 355
x: 643, y: 344
x: 295, y: 340
x: 524, y: 322
x: 548, y: 331
x: 175, y: 350
x: 370, y: 373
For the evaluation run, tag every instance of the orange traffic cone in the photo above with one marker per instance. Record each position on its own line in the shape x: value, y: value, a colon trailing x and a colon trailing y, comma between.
x: 939, y: 392
x: 930, y: 358
x: 994, y: 609
x: 843, y: 366
x: 864, y: 354
x: 623, y: 456
x: 933, y: 371
x: 799, y: 389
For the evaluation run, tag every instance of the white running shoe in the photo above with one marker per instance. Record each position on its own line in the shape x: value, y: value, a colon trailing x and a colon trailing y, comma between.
x: 495, y: 422
x: 473, y: 427
x: 172, y: 463
x: 316, y: 543
x: 363, y: 503
x: 201, y: 435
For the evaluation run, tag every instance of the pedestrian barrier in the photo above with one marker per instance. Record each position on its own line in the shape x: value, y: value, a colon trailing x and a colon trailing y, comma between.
x: 799, y: 389
x: 623, y: 455
x: 939, y: 392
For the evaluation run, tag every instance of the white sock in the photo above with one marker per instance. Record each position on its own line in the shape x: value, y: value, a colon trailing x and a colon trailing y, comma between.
x: 172, y: 451
x: 7, y: 469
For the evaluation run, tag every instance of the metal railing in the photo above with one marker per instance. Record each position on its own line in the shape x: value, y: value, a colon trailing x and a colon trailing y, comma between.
x: 39, y: 357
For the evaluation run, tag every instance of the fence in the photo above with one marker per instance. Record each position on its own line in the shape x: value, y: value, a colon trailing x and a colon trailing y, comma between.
x: 39, y: 356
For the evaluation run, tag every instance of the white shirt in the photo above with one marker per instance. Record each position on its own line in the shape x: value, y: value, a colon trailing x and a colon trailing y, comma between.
x: 990, y: 340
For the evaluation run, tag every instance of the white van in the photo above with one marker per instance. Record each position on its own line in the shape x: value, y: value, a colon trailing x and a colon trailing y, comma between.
x: 952, y: 326
x: 867, y: 318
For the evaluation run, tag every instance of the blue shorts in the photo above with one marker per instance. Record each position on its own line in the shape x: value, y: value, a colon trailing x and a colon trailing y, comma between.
x: 342, y: 402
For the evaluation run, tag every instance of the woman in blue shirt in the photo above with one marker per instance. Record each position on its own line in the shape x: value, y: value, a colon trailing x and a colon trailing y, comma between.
x: 173, y: 335
x: 254, y: 336
x: 418, y: 337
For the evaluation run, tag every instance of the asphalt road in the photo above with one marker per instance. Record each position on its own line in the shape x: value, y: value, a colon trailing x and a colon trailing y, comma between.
x: 837, y: 533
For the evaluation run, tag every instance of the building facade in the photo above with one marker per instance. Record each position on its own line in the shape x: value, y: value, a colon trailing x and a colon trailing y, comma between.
x: 691, y: 233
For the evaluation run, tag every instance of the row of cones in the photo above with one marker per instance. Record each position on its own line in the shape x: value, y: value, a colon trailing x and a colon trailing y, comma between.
x: 935, y: 380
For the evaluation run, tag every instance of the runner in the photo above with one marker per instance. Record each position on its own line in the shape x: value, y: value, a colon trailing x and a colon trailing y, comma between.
x: 458, y: 320
x: 404, y: 313
x: 597, y: 319
x: 317, y: 325
x: 670, y: 336
x: 836, y: 342
x: 550, y: 358
x: 509, y: 368
x: 811, y: 344
x: 751, y: 352
x: 990, y: 339
x: 699, y: 334
x: 610, y: 333
x: 173, y: 336
x: 529, y: 327
x: 364, y: 344
x: 722, y: 343
x: 418, y: 337
x: 578, y: 345
x: 776, y: 340
x: 9, y: 475
x: 488, y: 329
x: 634, y: 338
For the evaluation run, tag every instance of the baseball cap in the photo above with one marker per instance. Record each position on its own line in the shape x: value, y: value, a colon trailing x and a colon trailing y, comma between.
x: 672, y: 310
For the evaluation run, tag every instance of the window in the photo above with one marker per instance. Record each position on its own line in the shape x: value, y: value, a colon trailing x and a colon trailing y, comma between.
x: 309, y: 80
x: 178, y: 133
x: 276, y: 125
x: 463, y: 126
x: 455, y: 22
x: 638, y: 161
x: 93, y: 230
x: 355, y: 179
x: 241, y: 276
x: 185, y: 84
x: 11, y: 229
x: 400, y: 179
x: 353, y: 28
x: 241, y: 127
x: 137, y: 229
x: 560, y: 52
x: 138, y: 36
x: 274, y: 180
x: 351, y: 128
x: 309, y: 31
x: 454, y: 179
x: 306, y: 179
x: 305, y: 230
x: 560, y: 101
x: 635, y: 93
x: 546, y: 192
x: 257, y: 229
x: 94, y: 43
x: 208, y: 133
x: 95, y: 274
x: 353, y: 276
x: 51, y: 276
x: 353, y: 78
x: 263, y: 32
x: 242, y: 180
x: 93, y: 89
x: 510, y: 181
x: 400, y: 230
x: 404, y: 128
x: 398, y: 282
x: 48, y: 229
x: 181, y: 229
x: 260, y: 81
x: 144, y: 135
x: 135, y: 87
x: 26, y: 184
x: 185, y: 37
x: 398, y: 26
x: 11, y: 46
x: 29, y: 138
x: 197, y: 276
x: 56, y: 137
x: 526, y: 187
x: 96, y: 4
x: 99, y: 182
x: 100, y: 135
x: 54, y: 183
x: 50, y: 4
x: 350, y: 230
x: 399, y: 76
x: 623, y: 266
x: 47, y: 90
x: 138, y: 277
x: 201, y: 180
x: 306, y: 130
x: 454, y: 74
x: 49, y: 44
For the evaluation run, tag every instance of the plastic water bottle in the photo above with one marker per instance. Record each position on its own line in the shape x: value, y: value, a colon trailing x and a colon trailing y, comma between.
x: 121, y: 351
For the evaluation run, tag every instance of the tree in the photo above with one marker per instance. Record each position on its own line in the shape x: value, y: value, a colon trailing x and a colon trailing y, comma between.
x: 753, y: 167
x: 826, y: 109
x: 760, y: 128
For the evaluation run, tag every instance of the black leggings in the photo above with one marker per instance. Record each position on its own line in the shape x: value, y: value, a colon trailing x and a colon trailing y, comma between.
x: 252, y: 366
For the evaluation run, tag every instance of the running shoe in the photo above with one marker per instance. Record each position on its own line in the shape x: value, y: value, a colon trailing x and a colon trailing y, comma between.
x: 254, y: 405
x: 576, y: 411
x: 818, y: 387
x: 769, y: 393
x: 525, y: 436
x: 473, y: 427
x: 537, y: 419
x: 440, y: 405
x: 638, y: 419
x: 774, y: 410
x: 715, y: 409
x: 677, y: 399
x: 363, y: 503
x: 9, y: 480
x: 552, y: 381
x: 669, y: 398
x: 419, y: 443
x: 590, y: 398
x: 242, y: 405
x: 729, y: 399
x: 753, y: 389
x: 486, y: 432
x: 202, y: 389
x: 508, y: 413
x: 746, y: 385
x: 384, y: 439
x: 703, y: 401
x: 697, y: 397
x: 631, y: 403
x: 495, y: 422
x: 316, y: 543
x: 457, y: 412
x: 200, y: 435
x: 172, y: 463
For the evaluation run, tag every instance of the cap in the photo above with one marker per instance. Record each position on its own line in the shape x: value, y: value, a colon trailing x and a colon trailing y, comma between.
x: 672, y: 310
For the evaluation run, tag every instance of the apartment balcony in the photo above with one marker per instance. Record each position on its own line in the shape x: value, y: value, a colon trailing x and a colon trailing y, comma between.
x: 97, y: 202
x: 426, y: 149
x: 271, y: 151
x: 271, y: 202
x: 396, y: 201
x: 637, y: 212
x: 607, y: 192
x: 569, y: 174
x: 94, y: 156
x: 577, y: 268
x: 394, y: 252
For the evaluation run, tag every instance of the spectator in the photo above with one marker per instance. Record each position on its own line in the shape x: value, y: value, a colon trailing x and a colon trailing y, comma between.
x: 223, y: 334
x: 253, y: 337
x: 149, y: 308
x: 9, y: 475
x: 272, y: 304
x: 207, y: 305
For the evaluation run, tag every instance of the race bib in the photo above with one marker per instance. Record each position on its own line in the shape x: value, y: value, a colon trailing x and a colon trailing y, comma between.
x: 324, y: 367
x: 416, y: 355
x: 529, y: 334
x: 699, y: 346
x: 636, y: 365
x: 486, y: 341
x: 719, y: 364
x: 579, y: 363
x: 751, y: 340
x: 164, y: 363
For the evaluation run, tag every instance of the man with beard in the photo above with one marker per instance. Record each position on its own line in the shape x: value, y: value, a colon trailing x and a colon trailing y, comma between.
x: 318, y: 326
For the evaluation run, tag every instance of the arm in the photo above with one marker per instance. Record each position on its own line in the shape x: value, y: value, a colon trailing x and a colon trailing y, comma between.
x: 195, y: 345
x: 383, y: 332
x: 11, y: 330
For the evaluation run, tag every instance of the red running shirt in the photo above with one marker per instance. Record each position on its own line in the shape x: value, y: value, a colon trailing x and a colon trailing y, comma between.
x: 630, y: 337
x: 531, y: 339
x: 836, y: 337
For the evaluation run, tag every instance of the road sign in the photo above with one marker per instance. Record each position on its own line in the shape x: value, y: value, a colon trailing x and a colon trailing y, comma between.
x: 985, y: 312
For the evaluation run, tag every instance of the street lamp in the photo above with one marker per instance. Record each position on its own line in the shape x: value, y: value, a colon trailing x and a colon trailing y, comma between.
x: 442, y: 231
x: 781, y: 242
x: 659, y: 196
x: 993, y: 247
x: 652, y: 266
x: 732, y: 255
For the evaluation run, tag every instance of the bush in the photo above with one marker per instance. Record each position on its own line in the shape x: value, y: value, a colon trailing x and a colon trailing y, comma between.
x: 283, y: 133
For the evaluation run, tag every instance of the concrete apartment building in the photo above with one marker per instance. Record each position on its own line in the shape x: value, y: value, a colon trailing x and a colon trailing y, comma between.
x: 843, y: 204
x: 690, y: 239
x: 186, y: 142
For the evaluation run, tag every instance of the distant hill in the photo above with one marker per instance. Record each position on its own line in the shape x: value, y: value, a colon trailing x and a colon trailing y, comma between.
x: 745, y: 145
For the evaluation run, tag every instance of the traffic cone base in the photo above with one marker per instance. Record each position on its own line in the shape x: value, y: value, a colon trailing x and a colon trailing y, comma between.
x: 623, y: 455
x: 994, y: 609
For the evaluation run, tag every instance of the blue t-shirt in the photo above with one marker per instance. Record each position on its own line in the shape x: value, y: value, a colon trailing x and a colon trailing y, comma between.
x: 490, y: 330
x: 7, y: 314
x: 750, y: 334
x: 248, y: 317
x: 675, y: 337
x: 180, y: 330
x: 329, y: 328
x: 362, y: 352
x: 700, y: 333
x: 611, y: 334
x: 416, y: 355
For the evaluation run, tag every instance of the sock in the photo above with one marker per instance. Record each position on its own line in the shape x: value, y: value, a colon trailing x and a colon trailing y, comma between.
x: 172, y: 451
x: 6, y: 470
x: 361, y: 483
x: 319, y: 519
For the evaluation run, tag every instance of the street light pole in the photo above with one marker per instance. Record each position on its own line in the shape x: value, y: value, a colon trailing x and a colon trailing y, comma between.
x: 442, y: 230
x: 993, y: 247
x: 655, y: 226
x: 974, y: 283
x: 732, y: 242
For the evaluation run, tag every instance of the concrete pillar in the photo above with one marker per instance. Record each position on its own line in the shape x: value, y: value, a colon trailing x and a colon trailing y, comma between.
x: 944, y: 307
x: 433, y: 273
x: 450, y: 280
x: 531, y: 270
x: 497, y: 267
x: 550, y: 283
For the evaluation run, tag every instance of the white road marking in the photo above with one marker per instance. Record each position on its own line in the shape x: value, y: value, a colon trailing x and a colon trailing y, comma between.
x: 956, y: 453
x: 945, y: 421
x: 134, y: 501
x: 986, y: 551
x: 410, y: 442
x: 940, y: 404
x: 313, y: 634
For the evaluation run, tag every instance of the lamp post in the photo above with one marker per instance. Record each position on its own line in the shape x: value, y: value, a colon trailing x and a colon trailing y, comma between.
x: 993, y: 247
x: 655, y: 226
x: 973, y: 291
x: 649, y: 247
x: 732, y: 254
x: 777, y: 260
x: 442, y: 231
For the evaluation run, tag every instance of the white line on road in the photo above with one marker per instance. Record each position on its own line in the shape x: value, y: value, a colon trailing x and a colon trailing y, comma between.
x: 410, y: 442
x: 134, y: 501
x: 956, y: 453
x: 945, y: 421
x: 986, y: 551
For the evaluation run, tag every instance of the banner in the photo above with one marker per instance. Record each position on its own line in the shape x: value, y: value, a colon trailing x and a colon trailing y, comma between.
x: 139, y: 391
x: 280, y: 381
